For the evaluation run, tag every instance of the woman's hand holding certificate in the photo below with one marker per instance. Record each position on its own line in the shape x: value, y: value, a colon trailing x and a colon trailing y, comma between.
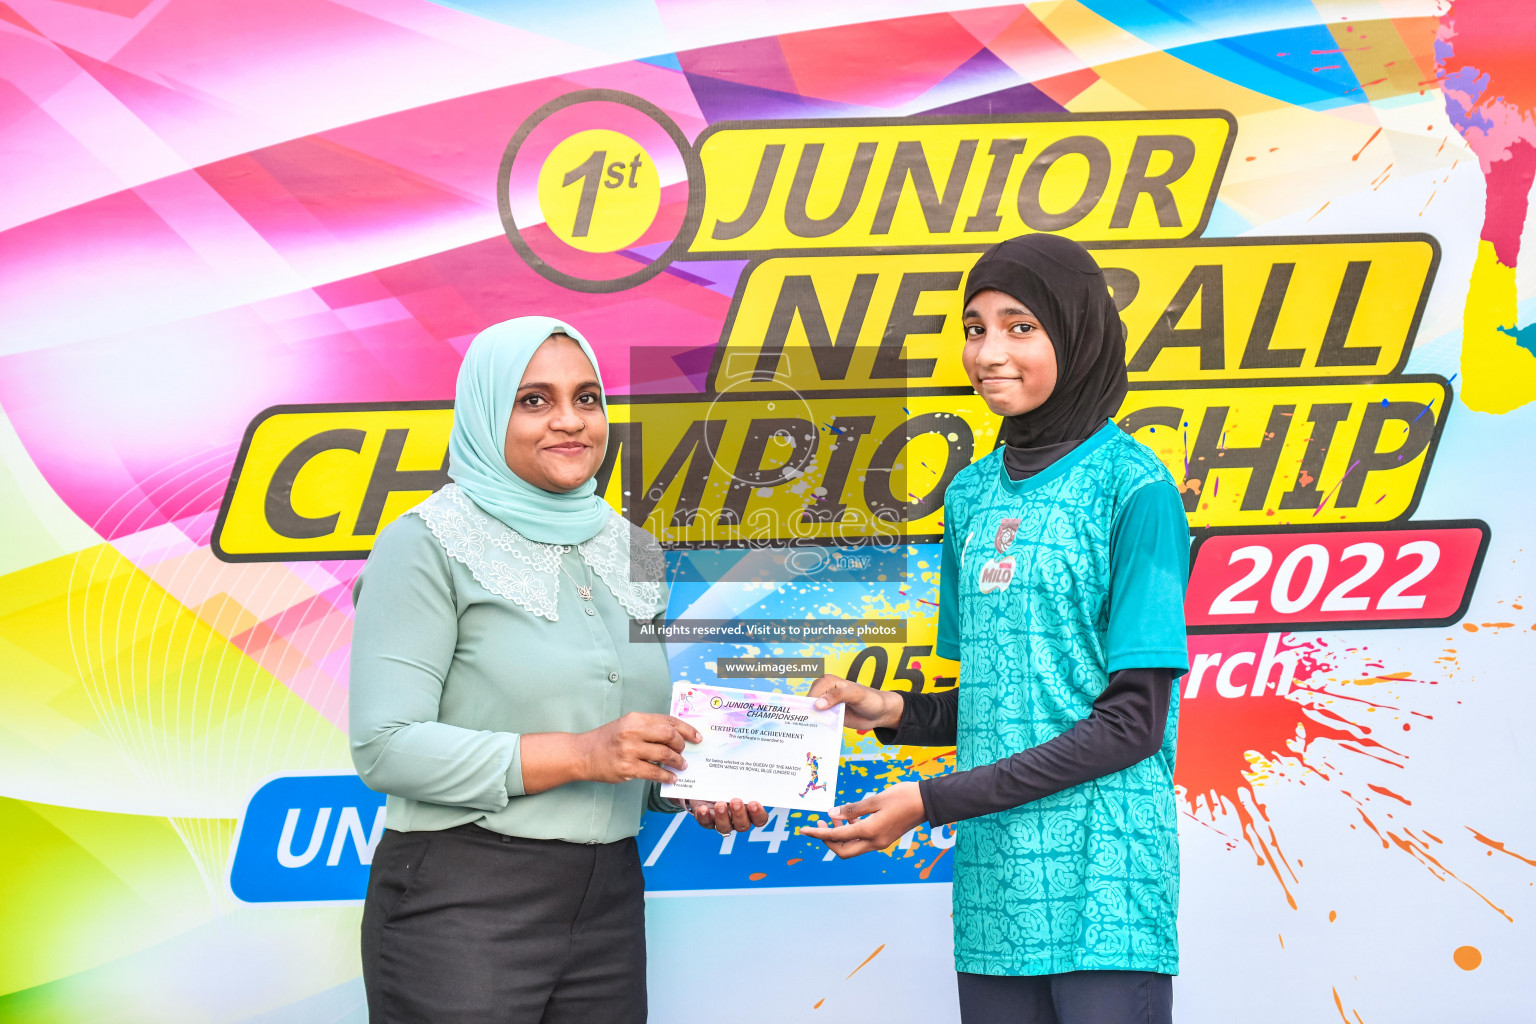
x: 634, y: 746
x: 727, y: 816
x: 637, y: 746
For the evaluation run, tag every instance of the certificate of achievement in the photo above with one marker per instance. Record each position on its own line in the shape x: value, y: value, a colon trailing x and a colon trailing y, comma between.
x: 775, y: 748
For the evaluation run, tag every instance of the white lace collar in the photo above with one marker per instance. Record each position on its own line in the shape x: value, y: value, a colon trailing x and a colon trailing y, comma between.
x: 527, y: 573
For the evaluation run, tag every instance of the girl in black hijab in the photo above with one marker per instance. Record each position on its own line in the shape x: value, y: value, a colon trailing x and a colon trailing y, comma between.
x: 1059, y: 282
x: 1062, y: 596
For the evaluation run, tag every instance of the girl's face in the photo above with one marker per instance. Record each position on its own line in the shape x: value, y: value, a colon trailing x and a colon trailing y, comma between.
x: 557, y: 430
x: 1008, y: 356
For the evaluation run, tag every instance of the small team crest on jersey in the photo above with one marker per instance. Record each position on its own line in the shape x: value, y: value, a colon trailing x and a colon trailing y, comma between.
x: 1006, y: 531
x: 996, y: 574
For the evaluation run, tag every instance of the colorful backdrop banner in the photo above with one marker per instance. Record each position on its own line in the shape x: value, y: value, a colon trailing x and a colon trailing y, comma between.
x: 244, y: 245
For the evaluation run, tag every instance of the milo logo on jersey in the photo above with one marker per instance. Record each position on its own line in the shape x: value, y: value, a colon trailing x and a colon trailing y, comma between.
x: 995, y: 575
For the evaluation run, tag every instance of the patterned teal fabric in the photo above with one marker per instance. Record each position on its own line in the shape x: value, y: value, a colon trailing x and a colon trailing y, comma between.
x: 1086, y: 879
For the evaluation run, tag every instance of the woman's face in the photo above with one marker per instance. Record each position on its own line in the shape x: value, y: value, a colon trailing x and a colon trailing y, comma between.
x: 1008, y: 356
x: 557, y: 430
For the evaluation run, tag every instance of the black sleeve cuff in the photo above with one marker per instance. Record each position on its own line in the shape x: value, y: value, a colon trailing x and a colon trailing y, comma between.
x: 927, y: 719
x: 888, y: 736
x: 925, y: 789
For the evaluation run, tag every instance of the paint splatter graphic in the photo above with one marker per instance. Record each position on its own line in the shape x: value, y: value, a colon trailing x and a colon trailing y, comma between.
x: 1309, y: 725
x: 1240, y: 740
x: 1490, y: 96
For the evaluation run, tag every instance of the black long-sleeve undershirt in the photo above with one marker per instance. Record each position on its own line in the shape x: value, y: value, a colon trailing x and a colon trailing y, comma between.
x: 1125, y: 727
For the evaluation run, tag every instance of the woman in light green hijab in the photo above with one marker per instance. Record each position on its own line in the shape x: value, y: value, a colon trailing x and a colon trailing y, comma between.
x: 479, y: 452
x: 497, y: 699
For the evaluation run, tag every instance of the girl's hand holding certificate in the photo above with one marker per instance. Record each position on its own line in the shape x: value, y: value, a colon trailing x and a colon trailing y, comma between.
x: 864, y: 708
x: 875, y: 822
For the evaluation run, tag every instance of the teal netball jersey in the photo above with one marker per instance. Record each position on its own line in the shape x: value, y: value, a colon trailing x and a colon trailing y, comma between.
x: 1048, y: 585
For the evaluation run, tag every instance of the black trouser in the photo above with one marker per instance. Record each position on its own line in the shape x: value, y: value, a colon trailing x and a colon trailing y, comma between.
x: 472, y: 927
x: 1077, y: 997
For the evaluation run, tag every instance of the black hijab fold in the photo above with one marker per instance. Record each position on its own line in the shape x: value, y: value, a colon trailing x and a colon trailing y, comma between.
x: 1063, y: 286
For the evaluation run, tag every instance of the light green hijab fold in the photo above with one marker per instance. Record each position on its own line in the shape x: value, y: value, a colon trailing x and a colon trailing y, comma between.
x: 482, y: 404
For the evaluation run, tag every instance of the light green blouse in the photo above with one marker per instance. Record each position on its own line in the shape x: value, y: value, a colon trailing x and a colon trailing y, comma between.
x: 446, y: 674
